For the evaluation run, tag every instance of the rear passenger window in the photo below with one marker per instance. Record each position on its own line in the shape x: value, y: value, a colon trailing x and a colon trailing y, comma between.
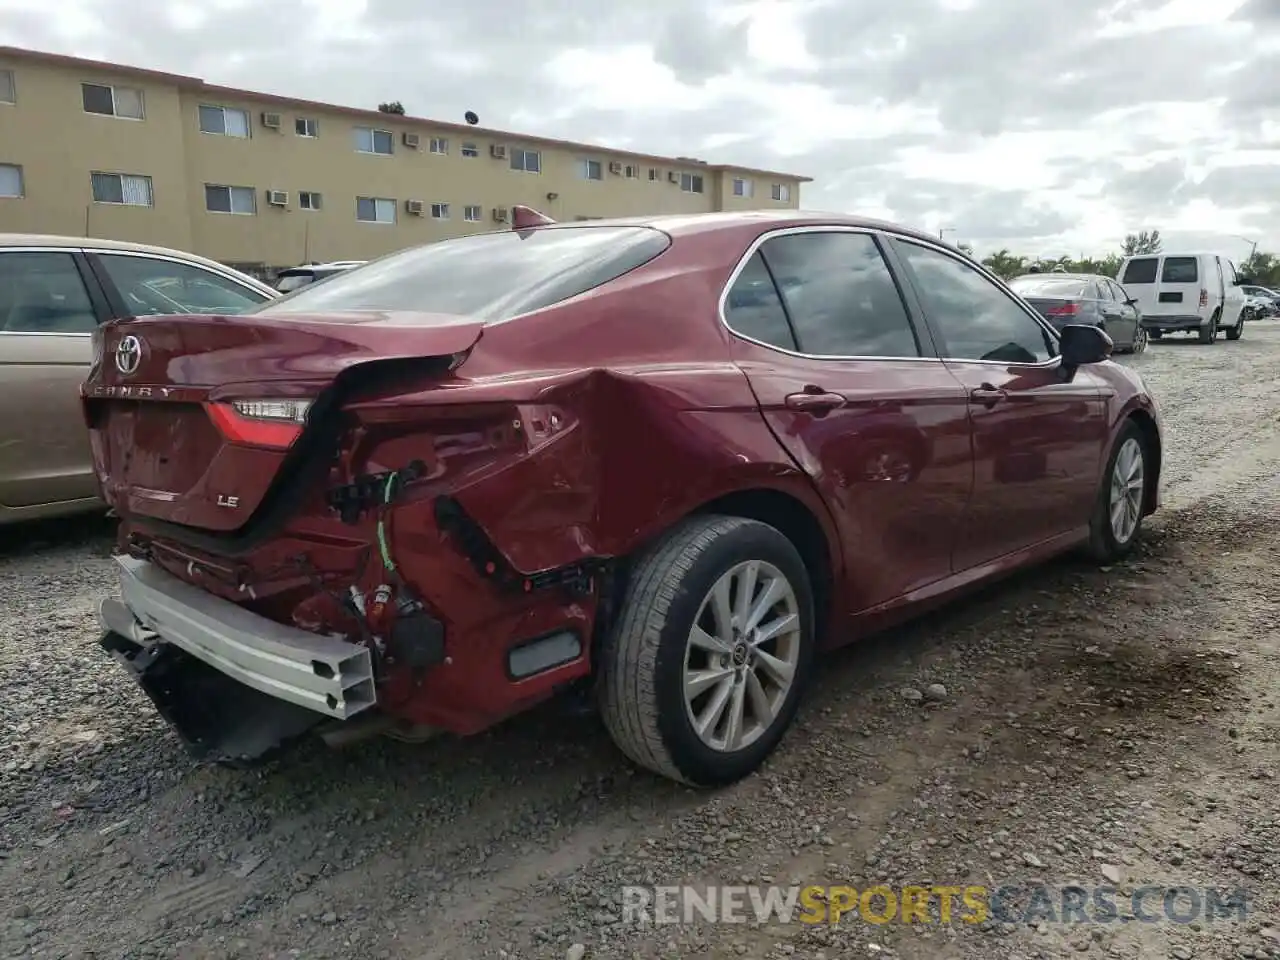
x: 1179, y: 270
x: 840, y: 296
x: 43, y: 293
x: 1140, y: 270
x: 754, y: 309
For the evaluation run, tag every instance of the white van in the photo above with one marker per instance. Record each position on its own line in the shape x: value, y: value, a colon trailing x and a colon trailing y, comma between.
x: 1197, y: 293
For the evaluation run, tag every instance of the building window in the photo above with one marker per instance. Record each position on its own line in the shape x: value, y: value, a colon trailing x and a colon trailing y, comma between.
x: 529, y: 161
x: 631, y: 171
x: 224, y: 121
x: 308, y: 200
x: 743, y: 188
x: 122, y: 102
x: 691, y: 182
x: 220, y: 199
x: 128, y: 189
x: 439, y: 211
x: 375, y: 210
x: 8, y: 90
x: 781, y: 192
x: 473, y: 213
x: 654, y: 175
x: 438, y: 145
x: 470, y: 150
x: 11, y: 181
x: 368, y: 140
x: 592, y: 170
x: 306, y: 127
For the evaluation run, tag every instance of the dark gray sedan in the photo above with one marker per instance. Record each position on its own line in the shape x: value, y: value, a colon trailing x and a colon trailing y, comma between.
x: 1063, y: 298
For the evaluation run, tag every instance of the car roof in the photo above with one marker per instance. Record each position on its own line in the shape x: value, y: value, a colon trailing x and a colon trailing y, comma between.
x: 695, y: 223
x: 125, y: 246
x: 1049, y: 275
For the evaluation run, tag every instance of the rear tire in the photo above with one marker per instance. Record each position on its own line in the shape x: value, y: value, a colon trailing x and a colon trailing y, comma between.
x: 1122, y: 497
x: 1155, y: 334
x: 1234, y: 333
x: 1210, y: 333
x: 666, y: 672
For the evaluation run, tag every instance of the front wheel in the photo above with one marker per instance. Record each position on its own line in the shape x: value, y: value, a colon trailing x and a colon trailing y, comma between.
x: 1122, y: 499
x: 1139, y: 341
x: 713, y: 645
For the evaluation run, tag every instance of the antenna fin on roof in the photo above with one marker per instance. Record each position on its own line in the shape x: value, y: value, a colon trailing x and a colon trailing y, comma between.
x: 524, y: 218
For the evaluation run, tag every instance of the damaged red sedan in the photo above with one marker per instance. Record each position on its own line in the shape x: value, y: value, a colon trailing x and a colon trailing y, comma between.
x: 662, y: 461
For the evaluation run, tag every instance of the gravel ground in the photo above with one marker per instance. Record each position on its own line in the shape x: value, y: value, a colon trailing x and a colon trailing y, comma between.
x: 1088, y: 726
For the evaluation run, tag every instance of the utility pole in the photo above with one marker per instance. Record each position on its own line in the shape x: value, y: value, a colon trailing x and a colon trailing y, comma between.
x: 1253, y: 244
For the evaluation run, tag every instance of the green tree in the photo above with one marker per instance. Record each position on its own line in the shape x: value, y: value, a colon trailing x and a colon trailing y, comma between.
x: 1004, y: 264
x: 1136, y: 244
x: 395, y: 106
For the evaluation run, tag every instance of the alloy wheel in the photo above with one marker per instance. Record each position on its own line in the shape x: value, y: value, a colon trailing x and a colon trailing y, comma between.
x: 742, y: 656
x: 1127, y: 484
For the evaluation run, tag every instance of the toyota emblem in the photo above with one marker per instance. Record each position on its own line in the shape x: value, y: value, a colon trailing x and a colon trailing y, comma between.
x: 128, y: 355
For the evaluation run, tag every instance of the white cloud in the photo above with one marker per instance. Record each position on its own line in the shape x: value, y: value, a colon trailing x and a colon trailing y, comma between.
x: 1013, y: 121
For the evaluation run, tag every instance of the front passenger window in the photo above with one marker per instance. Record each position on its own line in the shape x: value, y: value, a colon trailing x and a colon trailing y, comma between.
x: 976, y: 319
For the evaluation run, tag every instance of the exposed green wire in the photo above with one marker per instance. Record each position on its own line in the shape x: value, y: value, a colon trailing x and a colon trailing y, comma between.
x: 382, y: 529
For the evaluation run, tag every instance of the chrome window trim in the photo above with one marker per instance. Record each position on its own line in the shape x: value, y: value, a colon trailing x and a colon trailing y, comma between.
x: 790, y: 231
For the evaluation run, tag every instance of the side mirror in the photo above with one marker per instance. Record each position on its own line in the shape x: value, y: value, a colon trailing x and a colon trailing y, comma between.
x: 1131, y: 302
x: 1081, y: 344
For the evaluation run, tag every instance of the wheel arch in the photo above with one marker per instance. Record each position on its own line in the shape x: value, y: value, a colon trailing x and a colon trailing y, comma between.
x: 803, y: 523
x: 1150, y: 434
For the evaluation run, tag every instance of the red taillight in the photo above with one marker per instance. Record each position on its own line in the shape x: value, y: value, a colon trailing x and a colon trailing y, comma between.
x: 1066, y: 310
x: 1204, y: 298
x: 260, y: 423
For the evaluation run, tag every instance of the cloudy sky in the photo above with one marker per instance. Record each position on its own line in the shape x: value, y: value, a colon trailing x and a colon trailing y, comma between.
x: 1047, y: 126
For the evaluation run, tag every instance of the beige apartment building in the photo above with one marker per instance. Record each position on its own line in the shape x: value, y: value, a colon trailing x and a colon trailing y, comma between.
x: 256, y: 180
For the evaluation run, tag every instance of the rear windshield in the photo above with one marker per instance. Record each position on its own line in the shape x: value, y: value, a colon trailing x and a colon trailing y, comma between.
x: 1179, y: 270
x: 490, y: 276
x: 1048, y: 287
x: 1140, y: 270
x: 293, y: 281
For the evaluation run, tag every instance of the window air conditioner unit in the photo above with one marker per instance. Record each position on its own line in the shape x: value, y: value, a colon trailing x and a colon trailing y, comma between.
x: 498, y: 151
x: 278, y: 198
x: 673, y: 177
x: 615, y: 166
x: 415, y: 207
x: 500, y: 214
x: 271, y: 121
x: 411, y: 140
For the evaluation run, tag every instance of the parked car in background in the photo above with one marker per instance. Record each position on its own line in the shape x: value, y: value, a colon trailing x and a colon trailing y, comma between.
x: 54, y: 293
x: 415, y: 491
x: 295, y: 278
x: 1063, y: 298
x: 1265, y: 301
x: 1198, y: 293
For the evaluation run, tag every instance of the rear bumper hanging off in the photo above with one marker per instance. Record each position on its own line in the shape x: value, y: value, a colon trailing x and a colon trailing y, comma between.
x: 231, y: 683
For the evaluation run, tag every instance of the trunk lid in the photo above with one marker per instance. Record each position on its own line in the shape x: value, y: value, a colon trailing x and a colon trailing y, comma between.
x: 197, y: 420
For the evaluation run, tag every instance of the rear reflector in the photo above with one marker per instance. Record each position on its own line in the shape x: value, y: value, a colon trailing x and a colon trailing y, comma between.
x: 260, y: 423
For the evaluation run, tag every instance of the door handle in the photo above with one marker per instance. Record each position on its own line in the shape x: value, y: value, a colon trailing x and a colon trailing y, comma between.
x: 987, y: 395
x: 817, y: 402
